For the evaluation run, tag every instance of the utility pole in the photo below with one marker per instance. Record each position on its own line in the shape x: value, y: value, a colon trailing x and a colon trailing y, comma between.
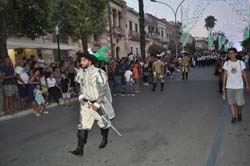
x: 142, y: 29
x: 110, y: 29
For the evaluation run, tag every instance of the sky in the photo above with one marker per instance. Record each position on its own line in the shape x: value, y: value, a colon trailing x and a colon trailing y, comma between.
x: 228, y: 21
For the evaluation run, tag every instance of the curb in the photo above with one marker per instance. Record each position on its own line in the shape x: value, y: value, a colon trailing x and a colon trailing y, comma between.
x: 28, y: 112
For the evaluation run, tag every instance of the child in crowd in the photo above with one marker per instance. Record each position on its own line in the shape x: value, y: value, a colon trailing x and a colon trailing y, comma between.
x: 65, y: 87
x: 45, y: 92
x: 129, y: 82
x: 40, y: 101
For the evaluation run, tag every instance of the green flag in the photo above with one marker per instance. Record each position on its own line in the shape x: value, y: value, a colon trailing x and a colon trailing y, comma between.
x: 210, y: 39
x: 220, y: 43
x: 246, y: 33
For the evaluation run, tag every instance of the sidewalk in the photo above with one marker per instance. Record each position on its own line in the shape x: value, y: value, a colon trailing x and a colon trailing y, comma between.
x: 28, y: 112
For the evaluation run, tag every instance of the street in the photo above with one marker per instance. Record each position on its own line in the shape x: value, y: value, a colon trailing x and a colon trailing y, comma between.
x: 183, y: 126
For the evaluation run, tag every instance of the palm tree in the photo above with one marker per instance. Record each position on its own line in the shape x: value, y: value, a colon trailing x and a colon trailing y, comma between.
x: 210, y: 22
x: 142, y: 27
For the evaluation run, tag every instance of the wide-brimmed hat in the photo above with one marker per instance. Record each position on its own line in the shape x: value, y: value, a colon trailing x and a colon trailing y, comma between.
x: 86, y: 55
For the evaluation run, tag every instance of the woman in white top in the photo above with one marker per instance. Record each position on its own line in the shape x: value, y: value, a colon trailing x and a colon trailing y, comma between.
x: 54, y: 91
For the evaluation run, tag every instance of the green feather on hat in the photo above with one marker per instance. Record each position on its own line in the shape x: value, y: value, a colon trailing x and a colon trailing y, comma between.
x: 100, y: 56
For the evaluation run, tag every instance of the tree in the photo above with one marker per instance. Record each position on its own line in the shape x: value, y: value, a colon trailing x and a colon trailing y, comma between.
x: 246, y: 44
x: 190, y: 48
x: 142, y: 28
x: 210, y: 22
x: 79, y: 19
x: 155, y: 49
x: 22, y: 18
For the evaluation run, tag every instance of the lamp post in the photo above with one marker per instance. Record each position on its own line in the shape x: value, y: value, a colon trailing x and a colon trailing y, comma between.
x: 58, y: 42
x: 175, y: 21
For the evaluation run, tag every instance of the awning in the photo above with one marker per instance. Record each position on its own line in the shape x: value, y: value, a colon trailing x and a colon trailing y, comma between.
x: 13, y: 44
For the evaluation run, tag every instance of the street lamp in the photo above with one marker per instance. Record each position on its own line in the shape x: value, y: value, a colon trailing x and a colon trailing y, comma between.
x: 175, y: 21
x: 58, y: 42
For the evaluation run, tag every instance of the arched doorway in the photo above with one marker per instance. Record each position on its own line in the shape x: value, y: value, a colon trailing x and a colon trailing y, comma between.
x: 117, y: 52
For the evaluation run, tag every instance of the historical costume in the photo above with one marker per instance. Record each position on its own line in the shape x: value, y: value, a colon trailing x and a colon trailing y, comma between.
x: 95, y: 98
x: 185, y: 63
x: 158, y: 72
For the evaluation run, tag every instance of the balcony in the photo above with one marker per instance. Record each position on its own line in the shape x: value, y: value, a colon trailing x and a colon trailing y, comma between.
x: 117, y: 31
x: 134, y: 35
x: 153, y: 36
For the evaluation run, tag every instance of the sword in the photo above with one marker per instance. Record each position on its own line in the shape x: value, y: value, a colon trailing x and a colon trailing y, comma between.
x: 109, y: 123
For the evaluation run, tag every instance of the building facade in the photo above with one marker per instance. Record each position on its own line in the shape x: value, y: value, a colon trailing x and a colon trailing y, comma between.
x: 122, y: 36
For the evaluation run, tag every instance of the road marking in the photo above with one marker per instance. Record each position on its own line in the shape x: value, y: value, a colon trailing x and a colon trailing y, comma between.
x: 213, y: 154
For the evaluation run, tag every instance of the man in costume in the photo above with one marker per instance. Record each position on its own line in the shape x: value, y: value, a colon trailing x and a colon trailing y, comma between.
x: 95, y: 99
x: 158, y: 72
x: 185, y: 63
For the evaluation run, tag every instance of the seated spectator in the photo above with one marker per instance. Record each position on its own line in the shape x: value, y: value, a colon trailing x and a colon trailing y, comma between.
x: 40, y: 101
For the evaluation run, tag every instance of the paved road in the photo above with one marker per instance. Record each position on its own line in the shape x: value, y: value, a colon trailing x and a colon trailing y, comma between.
x: 177, y: 127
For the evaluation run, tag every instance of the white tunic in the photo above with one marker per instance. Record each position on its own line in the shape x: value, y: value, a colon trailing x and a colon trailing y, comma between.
x: 94, y: 88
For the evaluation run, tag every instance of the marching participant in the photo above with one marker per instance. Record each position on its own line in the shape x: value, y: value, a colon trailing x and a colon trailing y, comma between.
x: 95, y: 99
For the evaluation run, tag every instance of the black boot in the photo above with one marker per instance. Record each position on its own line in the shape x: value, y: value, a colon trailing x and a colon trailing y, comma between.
x: 104, y: 133
x: 186, y: 75
x: 239, y: 117
x: 162, y: 86
x: 183, y: 76
x: 82, y: 136
x: 154, y: 87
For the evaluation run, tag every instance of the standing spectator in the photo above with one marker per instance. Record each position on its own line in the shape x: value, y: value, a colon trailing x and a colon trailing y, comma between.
x: 44, y: 85
x: 233, y: 84
x: 9, y: 84
x: 71, y: 73
x: 129, y: 82
x: 65, y: 86
x: 246, y: 61
x: 22, y: 83
x: 1, y: 93
x: 56, y: 73
x: 135, y: 76
x: 54, y: 91
x: 118, y: 78
x: 33, y: 81
x: 145, y: 73
x: 77, y: 69
x: 41, y: 63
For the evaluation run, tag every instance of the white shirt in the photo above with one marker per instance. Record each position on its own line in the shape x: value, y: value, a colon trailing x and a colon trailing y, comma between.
x: 128, y: 75
x: 21, y: 72
x: 234, y: 74
x: 51, y: 82
x: 41, y: 62
x: 43, y: 81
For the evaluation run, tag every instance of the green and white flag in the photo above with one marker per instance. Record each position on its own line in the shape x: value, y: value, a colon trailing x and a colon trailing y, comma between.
x: 210, y: 40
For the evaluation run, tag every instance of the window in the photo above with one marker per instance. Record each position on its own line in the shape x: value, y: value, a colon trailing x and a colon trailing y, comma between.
x: 114, y: 17
x: 130, y: 26
x: 137, y: 51
x: 136, y: 27
x: 119, y: 19
x: 131, y: 49
x: 162, y: 33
